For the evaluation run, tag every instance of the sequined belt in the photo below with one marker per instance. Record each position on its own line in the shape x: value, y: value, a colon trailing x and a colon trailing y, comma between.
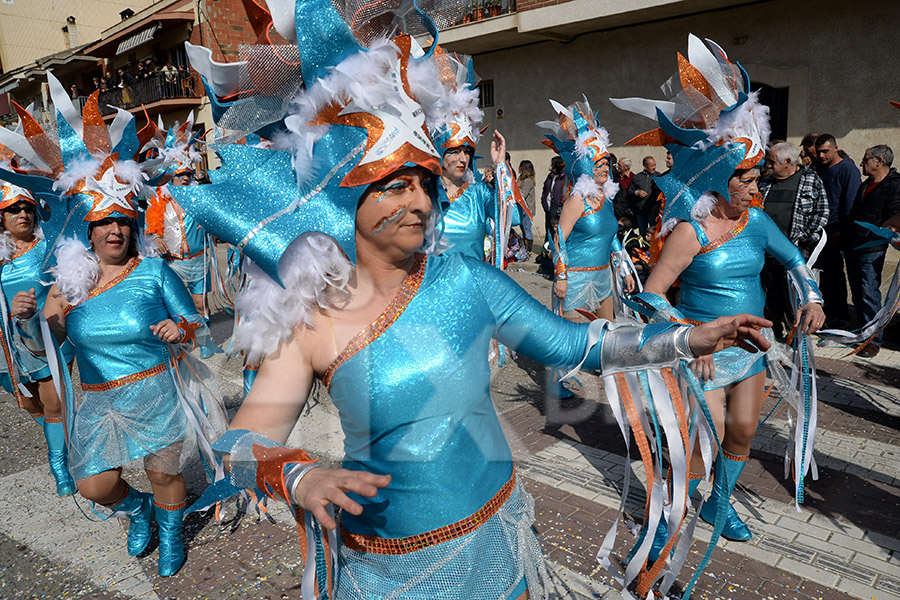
x: 606, y: 266
x: 377, y: 545
x: 110, y: 385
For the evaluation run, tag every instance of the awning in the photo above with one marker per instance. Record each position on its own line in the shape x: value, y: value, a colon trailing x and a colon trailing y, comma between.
x: 137, y: 39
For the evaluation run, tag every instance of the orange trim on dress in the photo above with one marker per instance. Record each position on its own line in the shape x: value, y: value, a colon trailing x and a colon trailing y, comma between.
x: 393, y: 311
x: 459, y: 192
x: 111, y: 385
x: 737, y: 229
x: 128, y: 270
x: 593, y: 210
x: 25, y: 250
x: 394, y: 546
x: 606, y: 266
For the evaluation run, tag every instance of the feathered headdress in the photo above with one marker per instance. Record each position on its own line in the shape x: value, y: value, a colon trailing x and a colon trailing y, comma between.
x: 84, y: 174
x: 457, y: 124
x: 174, y: 150
x: 580, y: 141
x: 361, y: 116
x: 711, y: 123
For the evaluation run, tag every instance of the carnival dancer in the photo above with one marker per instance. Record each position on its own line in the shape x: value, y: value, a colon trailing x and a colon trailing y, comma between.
x: 181, y: 241
x: 587, y: 238
x: 717, y: 132
x: 25, y: 375
x: 131, y: 322
x: 471, y: 208
x: 342, y: 288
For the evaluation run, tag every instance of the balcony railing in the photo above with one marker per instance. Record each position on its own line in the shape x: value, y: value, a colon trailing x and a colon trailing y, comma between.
x: 156, y: 87
x: 485, y: 9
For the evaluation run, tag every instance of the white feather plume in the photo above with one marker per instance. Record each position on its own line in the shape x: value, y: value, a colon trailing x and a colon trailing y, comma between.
x: 586, y: 187
x: 749, y: 120
x: 699, y: 212
x: 77, y: 270
x: 7, y: 247
x: 315, y: 272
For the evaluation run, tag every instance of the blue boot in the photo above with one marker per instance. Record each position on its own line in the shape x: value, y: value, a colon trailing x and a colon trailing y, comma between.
x: 38, y: 418
x: 170, y: 519
x: 662, y: 530
x: 58, y: 456
x: 249, y: 378
x: 137, y: 506
x: 728, y: 470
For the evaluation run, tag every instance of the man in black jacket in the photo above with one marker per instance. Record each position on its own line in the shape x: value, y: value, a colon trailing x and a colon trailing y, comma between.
x: 877, y: 200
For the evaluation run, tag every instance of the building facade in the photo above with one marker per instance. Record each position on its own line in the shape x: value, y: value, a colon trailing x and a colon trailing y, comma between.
x: 825, y: 67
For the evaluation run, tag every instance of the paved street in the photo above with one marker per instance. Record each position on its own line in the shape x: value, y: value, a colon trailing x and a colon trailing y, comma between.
x: 845, y: 543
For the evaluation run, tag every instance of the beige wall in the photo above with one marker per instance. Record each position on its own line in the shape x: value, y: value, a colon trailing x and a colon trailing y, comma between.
x: 32, y: 29
x: 840, y: 62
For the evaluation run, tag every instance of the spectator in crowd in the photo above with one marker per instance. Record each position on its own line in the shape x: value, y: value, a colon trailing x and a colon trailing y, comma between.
x: 644, y: 195
x: 669, y: 162
x: 877, y: 201
x: 795, y: 198
x: 808, y: 150
x: 554, y: 193
x: 141, y: 72
x: 75, y: 91
x: 624, y: 177
x: 95, y: 81
x: 487, y: 175
x: 841, y: 179
x: 169, y: 72
x: 526, y: 188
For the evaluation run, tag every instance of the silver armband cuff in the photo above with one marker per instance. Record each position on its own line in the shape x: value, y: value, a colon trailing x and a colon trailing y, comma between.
x: 294, y: 475
x: 30, y: 330
x: 621, y: 348
x: 623, y: 258
x: 805, y: 283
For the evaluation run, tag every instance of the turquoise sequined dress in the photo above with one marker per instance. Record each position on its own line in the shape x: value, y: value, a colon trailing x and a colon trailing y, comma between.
x: 413, y: 392
x: 20, y: 274
x: 465, y: 218
x: 723, y: 279
x: 135, y: 404
x: 590, y: 246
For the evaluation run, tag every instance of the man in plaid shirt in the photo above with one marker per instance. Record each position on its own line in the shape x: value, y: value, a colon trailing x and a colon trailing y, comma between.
x: 795, y: 198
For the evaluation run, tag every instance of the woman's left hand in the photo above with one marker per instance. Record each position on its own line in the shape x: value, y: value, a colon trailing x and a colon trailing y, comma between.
x: 739, y: 330
x: 629, y: 284
x: 167, y: 331
x: 498, y: 148
x: 812, y: 318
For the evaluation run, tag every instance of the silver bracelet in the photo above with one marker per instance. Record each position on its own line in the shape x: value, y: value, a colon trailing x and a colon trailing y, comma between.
x: 624, y: 349
x: 30, y: 329
x: 293, y: 477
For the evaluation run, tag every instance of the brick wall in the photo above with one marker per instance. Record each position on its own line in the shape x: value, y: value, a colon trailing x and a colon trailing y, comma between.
x: 532, y: 4
x: 226, y: 29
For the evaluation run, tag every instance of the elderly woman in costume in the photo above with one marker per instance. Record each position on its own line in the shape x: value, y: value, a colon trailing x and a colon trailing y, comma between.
x: 131, y: 322
x: 587, y: 238
x: 25, y: 374
x: 470, y: 208
x: 431, y: 505
x: 716, y: 244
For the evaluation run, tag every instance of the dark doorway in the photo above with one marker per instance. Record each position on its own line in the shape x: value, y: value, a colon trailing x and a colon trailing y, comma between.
x: 777, y: 101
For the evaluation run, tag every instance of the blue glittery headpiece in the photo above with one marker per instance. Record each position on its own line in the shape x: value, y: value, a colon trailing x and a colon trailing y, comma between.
x: 87, y: 174
x: 357, y: 121
x: 577, y: 138
x: 711, y: 124
x: 457, y: 124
